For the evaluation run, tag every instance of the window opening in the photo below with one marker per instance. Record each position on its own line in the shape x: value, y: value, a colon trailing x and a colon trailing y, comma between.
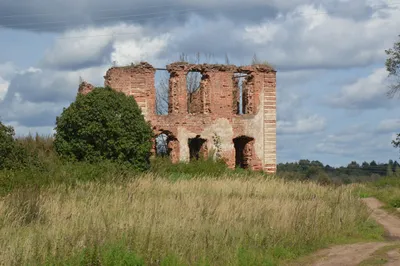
x: 197, y: 148
x: 162, y: 91
x: 243, y: 151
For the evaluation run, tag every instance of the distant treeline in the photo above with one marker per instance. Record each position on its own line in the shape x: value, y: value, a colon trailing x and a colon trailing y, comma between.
x: 354, y: 170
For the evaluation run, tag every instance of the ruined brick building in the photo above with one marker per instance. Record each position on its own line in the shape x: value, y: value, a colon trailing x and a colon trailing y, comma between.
x: 211, y: 120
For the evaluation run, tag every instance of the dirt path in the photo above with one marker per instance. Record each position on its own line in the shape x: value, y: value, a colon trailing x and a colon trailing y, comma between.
x: 346, y: 255
x: 354, y: 254
x: 390, y: 223
x: 394, y: 258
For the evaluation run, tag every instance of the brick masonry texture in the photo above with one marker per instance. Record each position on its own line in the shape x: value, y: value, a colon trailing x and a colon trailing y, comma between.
x: 246, y: 140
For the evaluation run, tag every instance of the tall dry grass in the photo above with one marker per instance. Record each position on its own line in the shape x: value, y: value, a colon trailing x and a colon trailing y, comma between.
x: 207, y: 221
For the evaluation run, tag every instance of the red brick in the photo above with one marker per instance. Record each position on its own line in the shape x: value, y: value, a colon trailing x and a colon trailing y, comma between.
x: 216, y: 98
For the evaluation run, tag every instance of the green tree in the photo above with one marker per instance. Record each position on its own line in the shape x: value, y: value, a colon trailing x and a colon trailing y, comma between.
x: 365, y: 165
x: 317, y: 164
x: 393, y: 67
x: 353, y: 165
x: 396, y: 142
x: 104, y: 125
x: 7, y: 145
x: 12, y: 154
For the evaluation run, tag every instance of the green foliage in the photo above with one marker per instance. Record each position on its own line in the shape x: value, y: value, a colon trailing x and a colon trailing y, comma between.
x: 323, y: 178
x: 27, y: 201
x: 393, y: 60
x: 7, y: 145
x: 353, y: 172
x: 12, y: 154
x: 106, y: 255
x: 395, y: 203
x: 393, y: 67
x: 38, y: 152
x: 386, y: 189
x: 182, y: 170
x: 104, y: 125
x: 60, y: 172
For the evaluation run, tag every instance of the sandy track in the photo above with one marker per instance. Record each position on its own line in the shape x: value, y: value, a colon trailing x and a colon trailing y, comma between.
x: 394, y: 258
x: 346, y: 255
x: 354, y: 254
x: 390, y: 222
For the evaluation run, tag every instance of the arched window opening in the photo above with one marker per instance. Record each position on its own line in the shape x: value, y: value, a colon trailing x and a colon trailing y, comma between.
x: 197, y: 148
x: 167, y: 145
x: 244, y: 151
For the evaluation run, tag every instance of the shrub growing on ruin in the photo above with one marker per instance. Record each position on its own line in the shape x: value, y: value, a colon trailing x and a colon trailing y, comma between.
x: 104, y: 125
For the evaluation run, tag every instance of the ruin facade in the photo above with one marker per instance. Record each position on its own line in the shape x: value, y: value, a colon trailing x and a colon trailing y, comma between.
x: 236, y: 122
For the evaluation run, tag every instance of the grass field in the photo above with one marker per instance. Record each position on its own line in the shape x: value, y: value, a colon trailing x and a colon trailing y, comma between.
x: 151, y: 220
x: 56, y: 212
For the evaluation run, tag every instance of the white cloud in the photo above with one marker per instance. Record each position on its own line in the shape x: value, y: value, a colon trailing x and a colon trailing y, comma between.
x: 305, y: 125
x: 29, y: 70
x: 317, y: 39
x: 389, y: 126
x: 83, y: 48
x: 357, y: 142
x: 288, y: 106
x: 7, y: 70
x: 3, y: 88
x: 334, y: 148
x: 308, y: 36
x: 365, y: 93
x: 100, y: 12
x: 35, y: 97
x: 30, y: 114
x: 143, y: 49
x: 71, y: 50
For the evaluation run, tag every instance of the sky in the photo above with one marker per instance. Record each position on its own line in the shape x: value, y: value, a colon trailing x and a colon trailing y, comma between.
x: 329, y: 54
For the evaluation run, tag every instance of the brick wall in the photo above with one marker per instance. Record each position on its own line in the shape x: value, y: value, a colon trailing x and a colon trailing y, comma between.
x: 212, y: 110
x: 137, y: 81
x: 85, y: 88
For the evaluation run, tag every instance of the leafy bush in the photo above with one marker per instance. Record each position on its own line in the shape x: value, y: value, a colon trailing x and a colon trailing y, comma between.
x: 395, y: 203
x: 7, y: 145
x: 104, y: 125
x: 12, y: 155
x: 323, y: 179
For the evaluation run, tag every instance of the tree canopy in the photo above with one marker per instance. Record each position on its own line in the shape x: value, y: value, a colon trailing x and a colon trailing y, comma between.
x: 104, y: 125
x: 7, y: 145
x: 393, y: 67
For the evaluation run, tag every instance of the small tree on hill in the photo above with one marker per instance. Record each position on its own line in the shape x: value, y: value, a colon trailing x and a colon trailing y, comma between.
x: 104, y: 125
